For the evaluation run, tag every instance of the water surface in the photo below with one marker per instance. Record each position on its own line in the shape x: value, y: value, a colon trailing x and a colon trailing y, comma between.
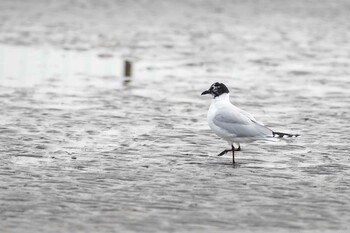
x: 84, y: 151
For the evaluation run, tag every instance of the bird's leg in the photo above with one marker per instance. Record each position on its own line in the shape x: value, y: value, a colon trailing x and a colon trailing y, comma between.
x: 224, y: 152
x: 233, y: 154
x: 233, y: 149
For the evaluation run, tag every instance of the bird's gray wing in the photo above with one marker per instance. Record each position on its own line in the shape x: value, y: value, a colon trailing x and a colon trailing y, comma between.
x: 239, y: 125
x: 250, y: 116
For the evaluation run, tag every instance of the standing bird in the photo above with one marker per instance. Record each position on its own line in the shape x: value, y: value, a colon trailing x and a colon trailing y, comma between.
x: 233, y: 124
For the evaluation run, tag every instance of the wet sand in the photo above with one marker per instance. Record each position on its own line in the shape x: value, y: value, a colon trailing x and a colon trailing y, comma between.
x: 84, y: 150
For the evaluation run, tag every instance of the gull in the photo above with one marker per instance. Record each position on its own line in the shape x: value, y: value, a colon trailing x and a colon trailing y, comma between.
x: 234, y: 124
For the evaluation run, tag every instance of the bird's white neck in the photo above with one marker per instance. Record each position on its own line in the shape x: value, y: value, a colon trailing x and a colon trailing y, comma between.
x: 225, y: 97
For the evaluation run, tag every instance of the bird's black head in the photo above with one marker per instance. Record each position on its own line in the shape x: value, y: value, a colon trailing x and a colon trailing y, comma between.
x: 216, y: 89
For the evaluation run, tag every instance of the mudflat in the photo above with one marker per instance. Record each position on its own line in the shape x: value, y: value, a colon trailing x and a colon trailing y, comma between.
x: 83, y: 149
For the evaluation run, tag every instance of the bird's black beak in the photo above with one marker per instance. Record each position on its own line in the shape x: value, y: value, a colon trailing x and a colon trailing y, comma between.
x: 205, y: 92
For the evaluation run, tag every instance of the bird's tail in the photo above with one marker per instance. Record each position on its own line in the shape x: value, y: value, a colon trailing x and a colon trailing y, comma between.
x: 284, y: 135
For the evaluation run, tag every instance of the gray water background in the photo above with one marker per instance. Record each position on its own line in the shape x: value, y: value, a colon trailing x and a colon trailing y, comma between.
x: 84, y: 150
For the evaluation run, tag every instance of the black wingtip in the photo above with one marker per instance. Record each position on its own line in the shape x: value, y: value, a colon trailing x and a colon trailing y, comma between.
x: 284, y: 135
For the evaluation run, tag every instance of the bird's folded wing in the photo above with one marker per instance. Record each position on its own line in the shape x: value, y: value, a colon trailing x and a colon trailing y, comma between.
x: 231, y: 116
x: 239, y: 125
x: 250, y: 116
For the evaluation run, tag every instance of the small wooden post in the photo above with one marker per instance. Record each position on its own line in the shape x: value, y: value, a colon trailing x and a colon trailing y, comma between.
x: 127, y: 72
x: 127, y: 69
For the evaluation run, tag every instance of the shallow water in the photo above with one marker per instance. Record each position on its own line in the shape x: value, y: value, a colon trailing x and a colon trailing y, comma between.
x: 84, y: 150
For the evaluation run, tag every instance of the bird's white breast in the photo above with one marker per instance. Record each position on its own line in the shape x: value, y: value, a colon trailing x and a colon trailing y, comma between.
x: 221, y: 101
